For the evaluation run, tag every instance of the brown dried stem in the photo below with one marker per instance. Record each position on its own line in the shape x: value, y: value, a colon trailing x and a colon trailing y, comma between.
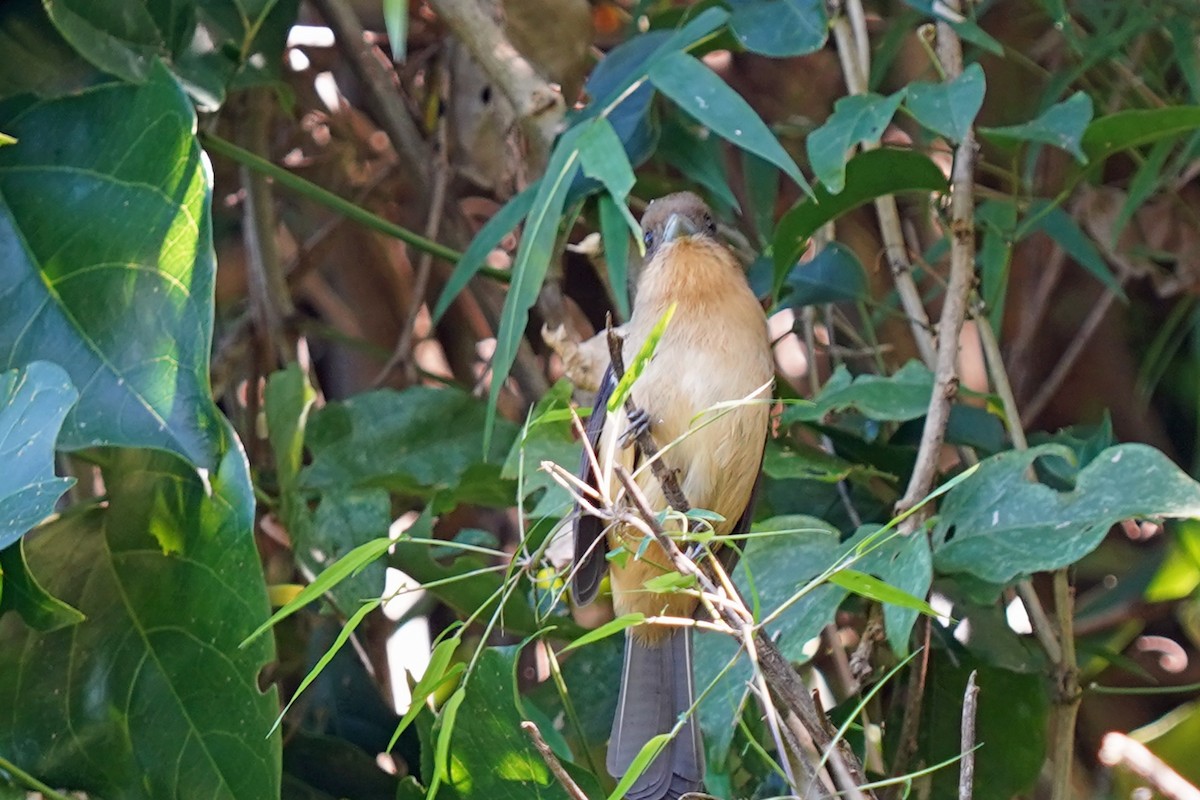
x: 966, y: 767
x: 556, y: 768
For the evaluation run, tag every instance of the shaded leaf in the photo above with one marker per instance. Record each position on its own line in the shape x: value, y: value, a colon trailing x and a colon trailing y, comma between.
x: 423, y: 441
x: 704, y: 96
x: 1126, y: 129
x: 696, y: 153
x: 1059, y: 226
x: 855, y: 119
x: 868, y: 175
x: 901, y: 396
x: 287, y: 400
x: 833, y: 275
x: 1062, y: 125
x: 158, y: 697
x: 998, y: 524
x: 948, y: 108
x: 963, y: 26
x: 344, y: 520
x: 549, y: 436
x: 614, y: 231
x: 780, y: 28
x: 21, y: 592
x: 33, y: 403
x: 106, y: 198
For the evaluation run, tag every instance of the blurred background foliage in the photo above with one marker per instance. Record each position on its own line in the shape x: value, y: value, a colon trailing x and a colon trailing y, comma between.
x: 290, y: 294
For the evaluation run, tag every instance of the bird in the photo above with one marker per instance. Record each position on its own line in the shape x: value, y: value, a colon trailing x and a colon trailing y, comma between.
x: 714, y: 350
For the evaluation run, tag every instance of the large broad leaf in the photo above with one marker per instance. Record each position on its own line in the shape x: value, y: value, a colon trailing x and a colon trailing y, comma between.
x: 833, y: 275
x: 899, y: 397
x: 1061, y: 125
x: 421, y: 441
x: 33, y: 402
x: 855, y: 119
x: 486, y: 754
x: 780, y: 28
x: 150, y: 697
x: 36, y: 57
x: 999, y: 524
x: 868, y: 175
x: 211, y: 43
x: 106, y: 264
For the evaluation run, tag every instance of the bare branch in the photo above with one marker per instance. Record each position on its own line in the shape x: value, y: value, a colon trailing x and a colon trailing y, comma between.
x: 556, y: 767
x: 966, y: 768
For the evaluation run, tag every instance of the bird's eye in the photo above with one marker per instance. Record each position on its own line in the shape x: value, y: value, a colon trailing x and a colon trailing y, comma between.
x: 648, y: 238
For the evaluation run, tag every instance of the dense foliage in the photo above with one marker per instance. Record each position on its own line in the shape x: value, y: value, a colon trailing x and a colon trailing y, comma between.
x: 285, y: 324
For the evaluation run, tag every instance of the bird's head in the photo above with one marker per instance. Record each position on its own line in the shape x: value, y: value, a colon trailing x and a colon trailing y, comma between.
x: 675, y: 218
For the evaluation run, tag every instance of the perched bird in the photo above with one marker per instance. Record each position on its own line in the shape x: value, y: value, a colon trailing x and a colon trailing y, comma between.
x: 714, y: 350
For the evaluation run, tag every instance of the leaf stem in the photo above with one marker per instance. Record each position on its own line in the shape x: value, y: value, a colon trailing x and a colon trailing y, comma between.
x: 30, y: 781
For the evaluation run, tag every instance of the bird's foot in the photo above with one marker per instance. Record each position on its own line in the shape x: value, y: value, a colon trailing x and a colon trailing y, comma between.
x: 639, y: 423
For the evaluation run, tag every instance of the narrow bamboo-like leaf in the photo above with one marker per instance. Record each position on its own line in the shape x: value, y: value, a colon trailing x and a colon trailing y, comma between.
x: 484, y: 242
x: 449, y: 714
x: 437, y: 672
x: 872, y: 588
x: 607, y: 629
x: 868, y: 175
x: 614, y: 231
x: 602, y: 157
x: 348, y: 565
x: 948, y: 108
x: 1062, y: 125
x: 5, y: 139
x: 647, y: 754
x: 1059, y: 226
x: 640, y: 361
x: 703, y: 95
x: 341, y: 639
x: 1126, y: 129
x: 857, y: 118
x: 533, y: 260
x: 670, y: 582
x: 395, y: 21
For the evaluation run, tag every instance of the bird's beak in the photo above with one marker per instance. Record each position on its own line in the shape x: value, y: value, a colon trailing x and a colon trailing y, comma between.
x: 677, y: 227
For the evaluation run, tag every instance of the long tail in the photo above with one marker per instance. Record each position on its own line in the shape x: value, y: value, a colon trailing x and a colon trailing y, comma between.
x: 656, y: 688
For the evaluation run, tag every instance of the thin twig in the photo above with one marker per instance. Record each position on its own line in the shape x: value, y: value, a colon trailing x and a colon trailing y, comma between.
x: 966, y: 767
x: 556, y: 767
x: 1066, y: 708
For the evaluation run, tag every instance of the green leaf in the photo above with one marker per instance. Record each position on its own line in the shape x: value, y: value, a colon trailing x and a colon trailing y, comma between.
x: 948, y: 108
x: 699, y: 92
x: 548, y: 436
x: 997, y: 224
x: 395, y: 21
x: 855, y: 119
x: 107, y: 199
x: 437, y: 672
x: 33, y: 403
x: 1128, y: 129
x: 998, y: 524
x: 692, y: 150
x: 872, y: 588
x: 1062, y: 125
x: 607, y: 629
x: 6, y: 140
x: 423, y: 442
x: 670, y: 582
x: 868, y: 175
x: 963, y: 26
x: 37, y: 59
x: 906, y: 563
x: 485, y: 754
x: 119, y: 38
x: 345, y: 520
x: 634, y: 370
x: 648, y: 753
x: 603, y: 158
x: 896, y: 398
x: 489, y: 236
x: 532, y: 262
x: 780, y: 28
x: 159, y: 700
x: 1062, y: 228
x: 614, y: 230
x: 833, y: 275
x: 287, y: 400
x: 23, y: 594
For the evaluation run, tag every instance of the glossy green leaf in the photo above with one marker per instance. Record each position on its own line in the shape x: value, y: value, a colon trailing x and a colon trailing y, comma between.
x: 999, y: 524
x: 488, y: 238
x: 614, y: 230
x: 780, y: 28
x: 106, y: 199
x: 1127, y: 129
x: 33, y: 402
x: 833, y: 275
x: 948, y: 108
x: 287, y: 400
x: 898, y: 397
x: 868, y: 175
x: 1062, y: 125
x: 437, y: 672
x: 532, y: 262
x: 702, y: 94
x: 602, y: 157
x: 159, y: 700
x: 872, y: 588
x: 609, y: 628
x: 855, y: 119
x: 37, y: 59
x: 423, y: 442
x: 21, y: 592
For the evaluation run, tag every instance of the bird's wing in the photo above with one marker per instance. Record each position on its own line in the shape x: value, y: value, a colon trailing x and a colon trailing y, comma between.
x: 589, y: 531
x: 728, y: 555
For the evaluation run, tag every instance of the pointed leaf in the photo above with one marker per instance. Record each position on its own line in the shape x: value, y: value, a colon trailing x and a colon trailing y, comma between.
x: 1062, y: 125
x: 614, y: 231
x: 703, y: 95
x: 873, y: 588
x: 1059, y: 226
x: 780, y: 28
x: 948, y: 108
x: 855, y: 119
x: 834, y: 275
x: 1126, y: 129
